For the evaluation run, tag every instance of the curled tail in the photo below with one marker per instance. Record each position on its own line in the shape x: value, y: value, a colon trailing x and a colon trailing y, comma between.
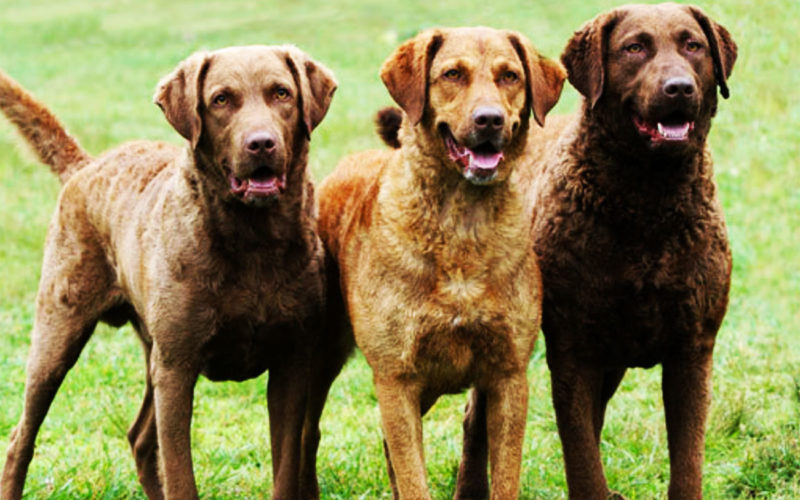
x: 48, y: 138
x: 388, y: 121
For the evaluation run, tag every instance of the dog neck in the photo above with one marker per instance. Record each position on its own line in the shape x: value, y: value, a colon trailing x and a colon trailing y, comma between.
x: 616, y: 162
x: 643, y: 195
x: 448, y: 213
x: 285, y: 224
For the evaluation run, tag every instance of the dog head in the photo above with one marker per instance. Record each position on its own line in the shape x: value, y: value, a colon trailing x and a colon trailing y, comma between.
x: 247, y: 112
x: 473, y: 90
x: 655, y: 70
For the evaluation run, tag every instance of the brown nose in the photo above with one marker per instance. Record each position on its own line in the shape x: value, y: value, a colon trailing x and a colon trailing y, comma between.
x: 488, y: 118
x: 259, y: 143
x: 679, y: 86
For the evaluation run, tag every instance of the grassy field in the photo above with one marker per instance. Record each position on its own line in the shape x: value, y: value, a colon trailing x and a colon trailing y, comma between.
x: 96, y: 63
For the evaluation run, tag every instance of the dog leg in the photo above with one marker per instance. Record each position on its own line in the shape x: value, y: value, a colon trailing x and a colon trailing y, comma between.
x: 173, y: 393
x: 73, y: 292
x: 327, y: 363
x: 506, y: 411
x: 287, y: 396
x: 402, y: 427
x: 426, y: 402
x: 472, y: 482
x: 58, y: 339
x: 685, y: 387
x: 143, y: 439
x: 577, y: 391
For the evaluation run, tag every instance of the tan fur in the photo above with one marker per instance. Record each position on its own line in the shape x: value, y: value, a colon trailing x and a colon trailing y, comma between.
x: 437, y: 273
x: 41, y: 129
x: 214, y: 282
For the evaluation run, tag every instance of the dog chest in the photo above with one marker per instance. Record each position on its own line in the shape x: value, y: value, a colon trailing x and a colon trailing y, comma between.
x: 634, y: 312
x: 243, y: 348
x: 260, y: 322
x: 455, y: 342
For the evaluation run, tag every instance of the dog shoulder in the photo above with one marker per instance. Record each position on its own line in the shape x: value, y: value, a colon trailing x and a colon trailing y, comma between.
x: 347, y: 196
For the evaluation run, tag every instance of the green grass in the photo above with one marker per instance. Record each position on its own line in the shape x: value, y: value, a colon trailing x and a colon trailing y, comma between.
x: 96, y: 63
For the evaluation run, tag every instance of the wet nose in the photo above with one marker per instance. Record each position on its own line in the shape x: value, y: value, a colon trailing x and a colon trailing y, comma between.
x: 258, y: 143
x: 488, y: 118
x: 679, y: 86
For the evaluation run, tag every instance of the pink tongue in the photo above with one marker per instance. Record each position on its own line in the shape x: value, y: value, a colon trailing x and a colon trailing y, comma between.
x: 482, y: 161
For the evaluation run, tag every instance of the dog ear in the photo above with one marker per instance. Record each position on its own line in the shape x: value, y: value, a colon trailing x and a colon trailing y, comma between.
x: 585, y: 56
x: 316, y: 86
x: 544, y: 77
x: 405, y: 73
x: 723, y: 48
x: 179, y: 96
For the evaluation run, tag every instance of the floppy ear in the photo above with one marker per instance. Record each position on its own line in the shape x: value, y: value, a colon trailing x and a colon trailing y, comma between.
x: 585, y: 56
x: 723, y: 48
x: 179, y: 94
x: 405, y: 72
x: 544, y: 77
x: 316, y: 85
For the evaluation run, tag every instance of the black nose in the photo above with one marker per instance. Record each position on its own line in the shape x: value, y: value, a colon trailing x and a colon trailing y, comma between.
x: 488, y: 118
x: 679, y: 86
x: 259, y: 143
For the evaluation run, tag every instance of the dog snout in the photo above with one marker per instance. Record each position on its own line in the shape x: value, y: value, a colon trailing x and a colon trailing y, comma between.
x: 488, y: 119
x: 260, y: 143
x: 680, y: 86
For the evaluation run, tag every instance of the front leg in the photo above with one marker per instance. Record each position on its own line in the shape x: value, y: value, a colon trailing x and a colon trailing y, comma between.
x: 399, y: 403
x: 685, y: 386
x: 173, y: 390
x: 287, y: 398
x: 577, y: 390
x: 506, y: 411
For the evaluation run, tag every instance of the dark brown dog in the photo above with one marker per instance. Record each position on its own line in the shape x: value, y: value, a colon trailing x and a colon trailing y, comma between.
x: 209, y: 251
x: 629, y: 232
x: 432, y: 242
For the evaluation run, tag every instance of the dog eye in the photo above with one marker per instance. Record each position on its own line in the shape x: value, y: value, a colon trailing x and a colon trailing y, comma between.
x: 634, y: 48
x: 510, y: 77
x: 693, y: 46
x: 452, y: 74
x: 220, y: 99
x: 282, y: 93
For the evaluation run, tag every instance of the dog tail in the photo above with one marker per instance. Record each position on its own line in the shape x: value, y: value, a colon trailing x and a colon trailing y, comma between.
x: 388, y: 121
x: 46, y: 136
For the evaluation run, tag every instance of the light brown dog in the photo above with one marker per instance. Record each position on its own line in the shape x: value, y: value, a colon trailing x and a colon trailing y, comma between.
x: 432, y: 241
x: 210, y: 251
x: 629, y: 231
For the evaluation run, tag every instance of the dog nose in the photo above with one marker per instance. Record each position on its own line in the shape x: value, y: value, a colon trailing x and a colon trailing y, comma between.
x: 259, y: 143
x: 678, y: 86
x: 488, y: 118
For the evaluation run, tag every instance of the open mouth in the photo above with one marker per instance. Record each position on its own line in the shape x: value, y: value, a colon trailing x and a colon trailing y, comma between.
x: 262, y: 183
x: 672, y: 128
x: 479, y: 164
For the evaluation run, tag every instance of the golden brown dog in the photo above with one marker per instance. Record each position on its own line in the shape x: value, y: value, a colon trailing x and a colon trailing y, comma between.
x: 629, y: 231
x: 210, y: 251
x: 432, y: 241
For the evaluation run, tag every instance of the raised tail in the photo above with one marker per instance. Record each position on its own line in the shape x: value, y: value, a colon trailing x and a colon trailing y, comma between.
x: 46, y: 136
x: 388, y: 121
